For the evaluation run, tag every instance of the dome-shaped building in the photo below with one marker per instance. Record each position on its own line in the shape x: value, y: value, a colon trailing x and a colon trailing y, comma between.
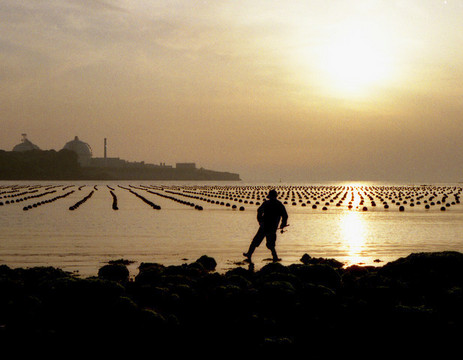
x: 82, y: 149
x: 25, y: 145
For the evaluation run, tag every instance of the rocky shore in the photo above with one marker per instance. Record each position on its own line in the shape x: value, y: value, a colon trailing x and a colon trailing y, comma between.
x: 316, y: 307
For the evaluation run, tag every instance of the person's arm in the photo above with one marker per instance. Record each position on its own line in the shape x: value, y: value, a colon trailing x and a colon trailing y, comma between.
x: 260, y: 214
x: 284, y: 217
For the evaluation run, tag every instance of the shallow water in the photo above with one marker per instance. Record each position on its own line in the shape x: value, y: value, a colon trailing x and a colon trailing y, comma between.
x: 84, y: 239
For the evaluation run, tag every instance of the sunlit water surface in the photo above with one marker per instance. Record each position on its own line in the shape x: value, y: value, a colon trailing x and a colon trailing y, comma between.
x: 88, y: 237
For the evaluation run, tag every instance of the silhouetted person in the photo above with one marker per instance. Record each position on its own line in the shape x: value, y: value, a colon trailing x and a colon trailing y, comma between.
x: 269, y: 215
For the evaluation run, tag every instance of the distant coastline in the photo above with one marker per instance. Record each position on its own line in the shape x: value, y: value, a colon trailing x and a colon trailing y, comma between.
x: 65, y: 165
x: 156, y: 173
x: 75, y: 161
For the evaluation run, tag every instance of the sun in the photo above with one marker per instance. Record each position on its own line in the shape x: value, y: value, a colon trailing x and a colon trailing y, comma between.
x: 355, y: 61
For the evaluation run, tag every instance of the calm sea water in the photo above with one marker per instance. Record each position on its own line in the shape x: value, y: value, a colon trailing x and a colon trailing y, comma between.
x: 84, y: 239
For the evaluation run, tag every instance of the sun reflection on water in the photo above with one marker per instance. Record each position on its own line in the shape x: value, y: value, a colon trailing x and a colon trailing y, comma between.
x: 353, y: 231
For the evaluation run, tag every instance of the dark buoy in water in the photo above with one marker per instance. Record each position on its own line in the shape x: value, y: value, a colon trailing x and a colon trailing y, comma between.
x: 442, y: 208
x: 401, y: 208
x: 242, y: 208
x: 364, y: 208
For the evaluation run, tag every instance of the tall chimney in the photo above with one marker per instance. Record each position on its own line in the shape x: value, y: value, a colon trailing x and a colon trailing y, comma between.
x: 105, y: 148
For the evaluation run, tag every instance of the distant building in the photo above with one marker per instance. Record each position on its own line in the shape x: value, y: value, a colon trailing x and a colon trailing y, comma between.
x: 82, y: 149
x: 185, y: 166
x: 115, y: 168
x: 107, y: 162
x: 25, y: 145
x: 113, y: 162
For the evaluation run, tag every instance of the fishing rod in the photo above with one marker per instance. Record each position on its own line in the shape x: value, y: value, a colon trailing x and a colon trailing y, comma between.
x: 282, y: 228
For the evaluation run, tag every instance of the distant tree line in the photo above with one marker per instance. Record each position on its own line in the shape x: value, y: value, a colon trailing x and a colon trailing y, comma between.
x: 39, y: 165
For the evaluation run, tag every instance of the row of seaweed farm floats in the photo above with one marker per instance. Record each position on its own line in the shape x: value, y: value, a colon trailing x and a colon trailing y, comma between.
x: 238, y: 197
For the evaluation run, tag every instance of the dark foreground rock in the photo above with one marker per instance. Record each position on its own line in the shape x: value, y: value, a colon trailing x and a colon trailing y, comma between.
x: 312, y: 308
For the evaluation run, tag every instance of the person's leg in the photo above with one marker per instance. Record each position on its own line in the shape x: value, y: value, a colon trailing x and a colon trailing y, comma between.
x: 271, y: 242
x: 256, y: 241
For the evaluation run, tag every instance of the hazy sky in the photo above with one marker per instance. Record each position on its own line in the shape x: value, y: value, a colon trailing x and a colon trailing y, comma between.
x: 293, y: 90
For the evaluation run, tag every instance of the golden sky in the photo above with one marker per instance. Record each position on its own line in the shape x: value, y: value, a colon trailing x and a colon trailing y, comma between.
x: 303, y: 90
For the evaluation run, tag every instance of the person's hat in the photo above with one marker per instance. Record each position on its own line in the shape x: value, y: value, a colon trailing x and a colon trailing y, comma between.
x: 272, y: 194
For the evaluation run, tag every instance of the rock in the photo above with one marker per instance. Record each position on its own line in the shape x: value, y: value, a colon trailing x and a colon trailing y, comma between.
x: 152, y: 320
x: 273, y: 267
x: 278, y: 293
x: 317, y: 297
x: 277, y: 343
x: 319, y: 274
x: 116, y: 272
x: 195, y: 269
x: 187, y: 271
x: 209, y: 281
x: 288, y: 277
x: 36, y: 275
x: 207, y: 262
x: 186, y: 293
x: 5, y: 270
x: 305, y: 259
x: 239, y: 281
x: 432, y: 269
x: 283, y: 307
x: 413, y: 321
x: 227, y: 292
x: 120, y: 262
x: 149, y: 273
x: 356, y: 271
x: 240, y: 271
